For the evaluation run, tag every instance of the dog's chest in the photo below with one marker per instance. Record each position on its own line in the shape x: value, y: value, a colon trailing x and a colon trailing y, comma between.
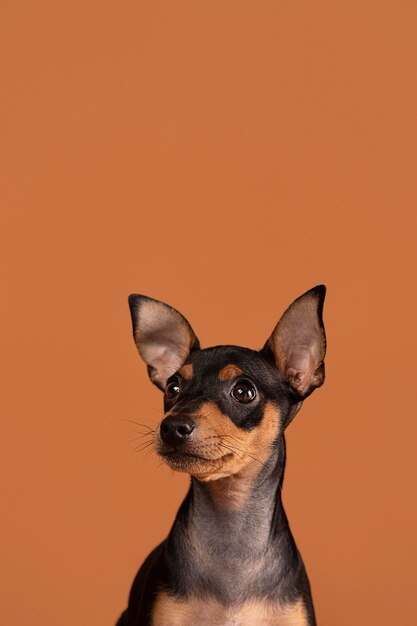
x: 170, y: 611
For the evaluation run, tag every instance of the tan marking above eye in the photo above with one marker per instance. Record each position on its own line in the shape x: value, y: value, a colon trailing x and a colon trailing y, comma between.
x: 186, y: 371
x: 229, y: 371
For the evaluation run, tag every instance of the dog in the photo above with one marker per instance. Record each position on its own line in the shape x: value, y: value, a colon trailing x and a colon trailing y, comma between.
x: 230, y: 558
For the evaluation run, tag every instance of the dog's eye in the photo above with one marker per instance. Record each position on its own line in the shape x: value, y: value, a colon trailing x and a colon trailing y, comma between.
x: 243, y: 391
x: 172, y: 389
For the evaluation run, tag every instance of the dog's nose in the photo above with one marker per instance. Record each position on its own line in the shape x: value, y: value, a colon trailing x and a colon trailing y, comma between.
x: 176, y: 429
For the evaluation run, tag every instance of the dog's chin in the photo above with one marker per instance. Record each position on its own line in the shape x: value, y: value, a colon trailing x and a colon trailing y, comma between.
x: 203, y: 468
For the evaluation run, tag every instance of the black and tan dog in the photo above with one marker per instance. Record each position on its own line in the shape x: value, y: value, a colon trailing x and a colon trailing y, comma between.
x: 230, y: 558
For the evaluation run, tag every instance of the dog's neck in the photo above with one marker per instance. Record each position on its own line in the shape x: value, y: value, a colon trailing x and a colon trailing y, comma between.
x: 233, y: 533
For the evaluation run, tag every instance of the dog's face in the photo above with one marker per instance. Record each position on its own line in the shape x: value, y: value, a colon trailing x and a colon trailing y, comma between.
x: 225, y: 407
x: 223, y: 411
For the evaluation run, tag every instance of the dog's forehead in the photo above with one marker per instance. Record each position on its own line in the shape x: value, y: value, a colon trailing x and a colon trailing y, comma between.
x: 226, y: 362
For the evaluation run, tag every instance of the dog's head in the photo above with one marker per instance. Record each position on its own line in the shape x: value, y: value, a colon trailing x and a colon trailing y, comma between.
x: 226, y: 406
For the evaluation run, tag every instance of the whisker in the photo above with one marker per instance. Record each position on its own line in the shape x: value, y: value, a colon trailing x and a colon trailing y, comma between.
x: 255, y: 459
x: 138, y: 451
x: 247, y: 453
x: 220, y: 436
x: 141, y: 437
x: 231, y: 450
x: 124, y: 419
x: 143, y: 446
x: 231, y: 437
x: 223, y: 435
x: 147, y: 432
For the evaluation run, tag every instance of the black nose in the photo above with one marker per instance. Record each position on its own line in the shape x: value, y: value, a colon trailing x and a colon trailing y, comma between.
x: 176, y: 429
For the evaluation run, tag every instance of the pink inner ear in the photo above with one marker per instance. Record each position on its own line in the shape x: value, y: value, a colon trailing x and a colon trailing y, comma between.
x: 298, y: 343
x: 301, y: 365
x: 296, y: 378
x: 165, y: 351
x: 164, y: 339
x: 299, y: 370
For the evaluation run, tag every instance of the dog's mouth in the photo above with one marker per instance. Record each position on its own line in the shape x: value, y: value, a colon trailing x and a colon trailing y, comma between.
x: 193, y: 462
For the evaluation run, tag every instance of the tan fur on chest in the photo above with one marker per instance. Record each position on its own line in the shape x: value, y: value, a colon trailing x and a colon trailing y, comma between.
x: 169, y: 611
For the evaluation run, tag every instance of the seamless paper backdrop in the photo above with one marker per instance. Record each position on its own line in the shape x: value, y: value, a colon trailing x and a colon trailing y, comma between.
x: 223, y: 157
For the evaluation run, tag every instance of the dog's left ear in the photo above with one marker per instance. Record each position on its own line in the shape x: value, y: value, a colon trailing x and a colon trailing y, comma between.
x: 298, y: 343
x: 162, y: 335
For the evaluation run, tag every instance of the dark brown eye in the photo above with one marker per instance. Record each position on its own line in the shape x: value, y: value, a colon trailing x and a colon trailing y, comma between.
x: 243, y: 391
x: 172, y: 389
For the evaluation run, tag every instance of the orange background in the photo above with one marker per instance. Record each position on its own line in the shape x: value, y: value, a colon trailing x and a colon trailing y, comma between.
x: 224, y: 157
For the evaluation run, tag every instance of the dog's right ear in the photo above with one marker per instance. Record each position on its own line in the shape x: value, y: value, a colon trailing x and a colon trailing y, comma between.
x: 298, y: 343
x: 162, y: 335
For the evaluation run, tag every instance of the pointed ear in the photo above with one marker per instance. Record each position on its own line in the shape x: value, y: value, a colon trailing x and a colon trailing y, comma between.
x: 162, y: 335
x: 298, y: 342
